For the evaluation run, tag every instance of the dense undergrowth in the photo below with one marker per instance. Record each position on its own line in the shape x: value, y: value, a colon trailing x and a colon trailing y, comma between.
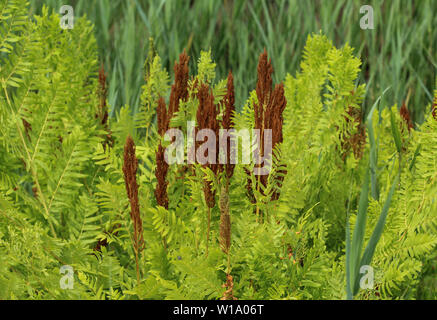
x: 81, y: 189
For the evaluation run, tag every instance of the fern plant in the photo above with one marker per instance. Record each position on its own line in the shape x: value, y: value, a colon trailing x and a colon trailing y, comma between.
x: 81, y: 189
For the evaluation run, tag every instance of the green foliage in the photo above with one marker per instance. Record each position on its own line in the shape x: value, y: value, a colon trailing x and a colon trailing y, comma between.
x: 63, y: 199
x: 235, y: 30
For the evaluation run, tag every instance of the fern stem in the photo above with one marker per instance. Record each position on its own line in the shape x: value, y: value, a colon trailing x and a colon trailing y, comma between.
x: 228, y: 270
x: 137, y: 266
x: 208, y: 230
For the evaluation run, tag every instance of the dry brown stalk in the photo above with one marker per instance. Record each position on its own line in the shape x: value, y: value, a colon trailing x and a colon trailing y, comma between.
x: 263, y: 87
x: 130, y: 166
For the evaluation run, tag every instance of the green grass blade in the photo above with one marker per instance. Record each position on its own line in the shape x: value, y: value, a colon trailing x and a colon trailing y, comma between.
x: 395, y: 132
x: 374, y: 149
x: 360, y: 226
x: 377, y: 232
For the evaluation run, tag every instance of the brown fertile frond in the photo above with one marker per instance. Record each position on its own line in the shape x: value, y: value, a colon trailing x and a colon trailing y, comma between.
x: 405, y: 114
x: 162, y: 117
x: 264, y: 84
x: 268, y: 112
x: 203, y: 97
x: 103, y: 93
x: 229, y: 102
x: 130, y: 167
x: 274, y: 121
x: 273, y: 116
x: 161, y: 165
x: 357, y: 140
x: 179, y: 90
x: 161, y: 175
x: 206, y: 117
x: 263, y: 88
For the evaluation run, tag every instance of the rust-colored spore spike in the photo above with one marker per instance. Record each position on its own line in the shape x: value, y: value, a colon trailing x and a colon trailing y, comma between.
x: 179, y: 90
x: 130, y: 167
x: 264, y: 83
x: 263, y: 88
x: 103, y: 92
x: 274, y: 120
x: 161, y: 175
x: 161, y: 165
x: 405, y: 114
x: 206, y: 117
x: 268, y: 112
x: 356, y: 141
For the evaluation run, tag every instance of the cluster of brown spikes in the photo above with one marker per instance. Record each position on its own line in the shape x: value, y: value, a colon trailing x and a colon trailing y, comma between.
x: 268, y: 112
x: 179, y: 91
x: 228, y: 104
x: 206, y: 118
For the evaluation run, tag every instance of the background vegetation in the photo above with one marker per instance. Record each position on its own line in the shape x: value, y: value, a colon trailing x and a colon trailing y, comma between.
x: 353, y: 182
x: 399, y: 53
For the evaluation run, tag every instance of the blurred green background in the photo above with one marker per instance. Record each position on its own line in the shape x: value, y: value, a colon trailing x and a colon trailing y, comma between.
x: 399, y: 53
